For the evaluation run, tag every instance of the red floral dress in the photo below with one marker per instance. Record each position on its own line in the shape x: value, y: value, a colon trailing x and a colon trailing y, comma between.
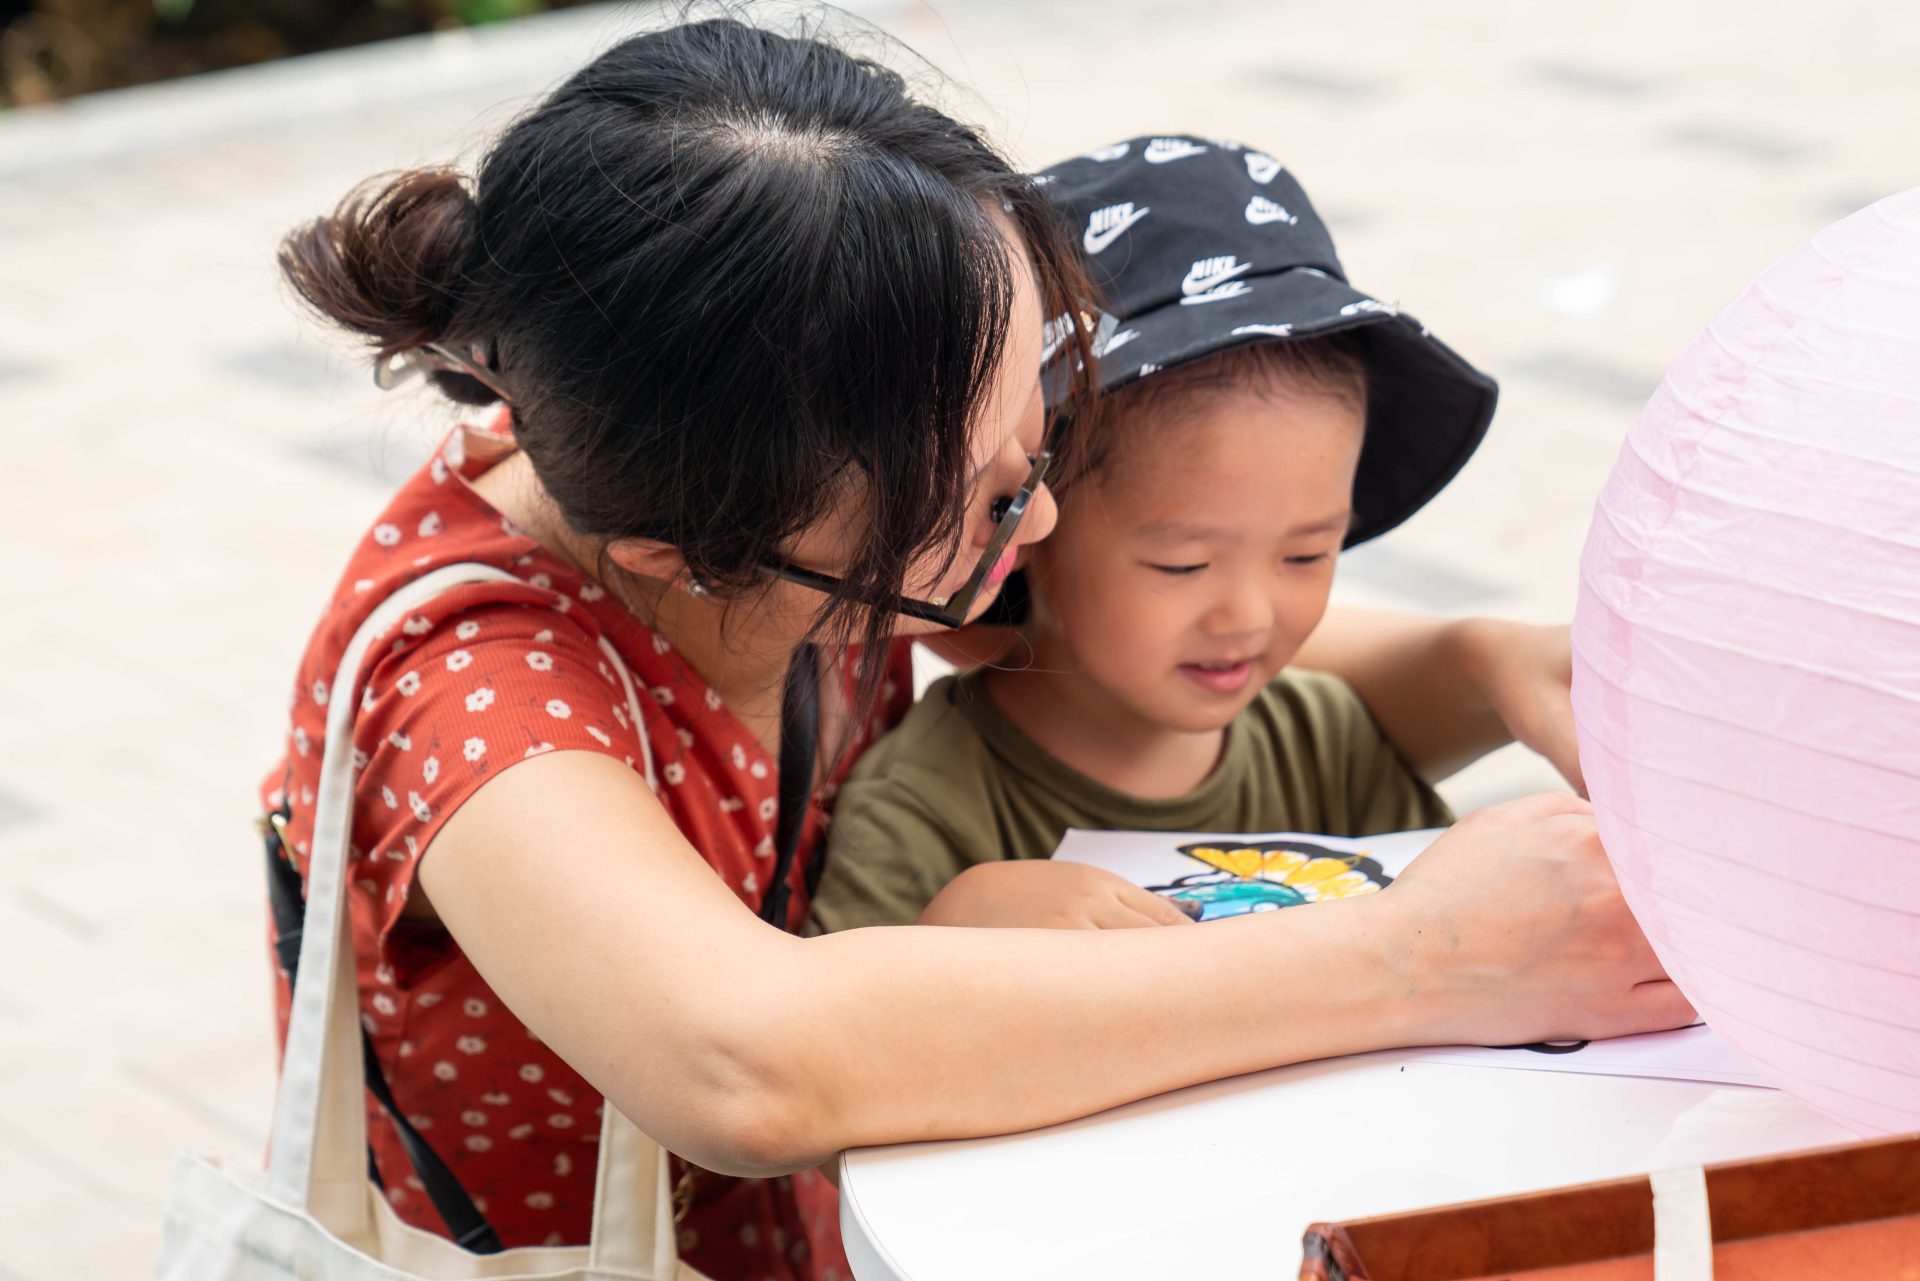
x: 485, y: 676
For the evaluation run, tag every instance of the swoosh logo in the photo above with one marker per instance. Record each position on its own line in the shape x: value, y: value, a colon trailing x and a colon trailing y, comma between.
x: 1261, y: 167
x: 1162, y: 150
x: 1118, y: 341
x: 1109, y: 224
x: 1261, y: 210
x: 1106, y: 154
x: 1210, y: 273
x: 1270, y: 331
x: 1232, y: 289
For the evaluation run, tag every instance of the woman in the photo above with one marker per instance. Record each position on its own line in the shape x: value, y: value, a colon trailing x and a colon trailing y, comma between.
x: 769, y: 333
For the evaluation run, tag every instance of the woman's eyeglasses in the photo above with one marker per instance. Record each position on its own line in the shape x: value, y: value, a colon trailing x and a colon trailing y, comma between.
x: 948, y: 611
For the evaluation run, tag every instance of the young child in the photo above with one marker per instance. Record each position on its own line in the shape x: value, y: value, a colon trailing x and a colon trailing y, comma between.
x: 1261, y: 415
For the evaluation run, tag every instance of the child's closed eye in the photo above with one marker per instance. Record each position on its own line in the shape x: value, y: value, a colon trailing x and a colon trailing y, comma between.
x: 1175, y: 569
x: 1314, y: 559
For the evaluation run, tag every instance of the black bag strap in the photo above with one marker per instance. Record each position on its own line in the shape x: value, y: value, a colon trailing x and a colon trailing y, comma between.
x: 465, y: 1224
x: 799, y: 742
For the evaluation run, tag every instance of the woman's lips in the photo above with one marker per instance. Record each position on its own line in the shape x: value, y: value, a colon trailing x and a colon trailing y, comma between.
x: 1003, y: 567
x: 1219, y: 678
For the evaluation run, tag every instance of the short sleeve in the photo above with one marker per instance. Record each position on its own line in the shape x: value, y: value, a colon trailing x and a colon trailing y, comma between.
x: 1365, y: 780
x: 458, y: 700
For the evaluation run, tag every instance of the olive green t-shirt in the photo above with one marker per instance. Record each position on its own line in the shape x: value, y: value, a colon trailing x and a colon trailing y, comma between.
x: 957, y: 784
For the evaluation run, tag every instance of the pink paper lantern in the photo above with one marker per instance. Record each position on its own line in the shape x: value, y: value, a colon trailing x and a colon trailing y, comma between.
x: 1747, y: 670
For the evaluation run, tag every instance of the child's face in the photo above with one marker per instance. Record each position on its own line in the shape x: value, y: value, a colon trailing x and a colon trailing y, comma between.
x: 1190, y: 570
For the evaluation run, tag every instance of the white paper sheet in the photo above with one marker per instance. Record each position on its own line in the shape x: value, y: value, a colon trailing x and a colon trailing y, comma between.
x: 1218, y: 875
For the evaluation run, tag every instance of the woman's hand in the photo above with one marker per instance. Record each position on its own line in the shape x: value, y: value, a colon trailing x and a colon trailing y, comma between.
x: 1043, y: 894
x: 1518, y: 933
x: 1526, y: 673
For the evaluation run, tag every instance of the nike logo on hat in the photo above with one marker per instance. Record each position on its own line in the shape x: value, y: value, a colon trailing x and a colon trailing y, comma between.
x: 1118, y: 341
x: 1161, y: 150
x: 1107, y: 225
x: 1369, y: 305
x: 1261, y: 167
x: 1271, y: 331
x: 1232, y: 289
x: 1114, y: 152
x: 1209, y: 274
x: 1261, y: 210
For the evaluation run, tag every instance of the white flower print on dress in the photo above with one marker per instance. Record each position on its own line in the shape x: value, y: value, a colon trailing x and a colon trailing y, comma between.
x: 363, y: 584
x: 591, y: 591
x: 561, y: 1097
x: 539, y: 1200
x: 562, y: 1165
x: 675, y: 774
x: 558, y: 709
x: 386, y: 535
x: 408, y: 684
x: 386, y: 795
x: 599, y: 736
x: 538, y: 749
x: 383, y: 1004
x: 539, y: 660
x: 320, y: 693
x: 620, y: 715
x: 366, y: 699
x: 531, y: 1073
x: 467, y: 630
x: 471, y: 1045
x: 445, y: 1071
x: 438, y: 470
x: 496, y: 1099
x: 738, y: 755
x: 758, y: 769
x: 474, y: 748
x: 474, y: 1008
x: 713, y: 699
x: 421, y: 810
x: 477, y: 1143
x: 768, y: 808
x: 685, y: 736
x: 473, y: 1117
x: 480, y: 700
x: 459, y: 661
x: 400, y: 741
x: 431, y: 770
x: 764, y: 849
x: 301, y: 743
x: 731, y: 805
x: 418, y: 625
x: 360, y: 759
x: 544, y: 636
x: 427, y: 1000
x: 663, y: 695
x: 560, y: 1121
x: 429, y: 525
x: 520, y: 1132
x: 542, y: 581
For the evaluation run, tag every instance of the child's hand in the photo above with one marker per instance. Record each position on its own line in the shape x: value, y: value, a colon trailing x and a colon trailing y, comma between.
x: 1043, y: 894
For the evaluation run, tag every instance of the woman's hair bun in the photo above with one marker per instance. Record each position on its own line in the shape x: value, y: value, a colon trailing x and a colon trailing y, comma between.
x: 390, y: 262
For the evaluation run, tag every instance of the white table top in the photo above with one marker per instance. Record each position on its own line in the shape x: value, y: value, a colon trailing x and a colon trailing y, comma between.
x: 1220, y: 1180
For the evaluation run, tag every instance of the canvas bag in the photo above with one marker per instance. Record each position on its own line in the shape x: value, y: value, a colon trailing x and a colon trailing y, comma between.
x: 313, y: 1214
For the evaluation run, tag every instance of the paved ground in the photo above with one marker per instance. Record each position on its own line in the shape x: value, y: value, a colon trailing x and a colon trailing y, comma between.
x: 1565, y: 193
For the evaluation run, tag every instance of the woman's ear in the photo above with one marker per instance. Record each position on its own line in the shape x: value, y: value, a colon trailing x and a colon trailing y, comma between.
x: 647, y: 558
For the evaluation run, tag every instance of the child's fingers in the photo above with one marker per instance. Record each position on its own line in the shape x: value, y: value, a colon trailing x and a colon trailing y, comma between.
x: 1154, y: 908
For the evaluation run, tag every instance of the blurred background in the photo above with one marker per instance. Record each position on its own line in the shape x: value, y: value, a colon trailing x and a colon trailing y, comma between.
x: 1564, y: 193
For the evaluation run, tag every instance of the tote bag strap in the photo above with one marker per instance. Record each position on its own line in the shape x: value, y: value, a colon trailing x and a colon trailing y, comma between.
x: 317, y: 1161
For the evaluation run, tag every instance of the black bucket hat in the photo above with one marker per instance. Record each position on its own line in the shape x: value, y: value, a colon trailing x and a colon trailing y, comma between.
x: 1200, y: 245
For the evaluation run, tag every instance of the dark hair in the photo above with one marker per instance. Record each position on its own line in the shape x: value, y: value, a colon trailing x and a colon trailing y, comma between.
x: 1328, y: 364
x: 721, y: 271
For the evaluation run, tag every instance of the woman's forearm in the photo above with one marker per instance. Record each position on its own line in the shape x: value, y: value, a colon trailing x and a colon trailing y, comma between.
x: 955, y: 1032
x: 1424, y: 680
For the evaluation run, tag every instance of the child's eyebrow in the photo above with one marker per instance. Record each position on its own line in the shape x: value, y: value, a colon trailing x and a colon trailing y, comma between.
x: 1174, y: 531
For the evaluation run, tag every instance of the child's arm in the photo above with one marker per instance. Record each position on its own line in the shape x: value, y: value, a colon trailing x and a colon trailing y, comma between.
x: 1448, y: 691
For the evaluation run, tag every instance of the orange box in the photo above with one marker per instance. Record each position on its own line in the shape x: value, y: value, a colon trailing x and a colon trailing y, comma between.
x: 1846, y: 1213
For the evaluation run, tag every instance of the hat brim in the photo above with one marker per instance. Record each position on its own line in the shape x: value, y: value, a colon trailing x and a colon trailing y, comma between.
x: 1427, y: 409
